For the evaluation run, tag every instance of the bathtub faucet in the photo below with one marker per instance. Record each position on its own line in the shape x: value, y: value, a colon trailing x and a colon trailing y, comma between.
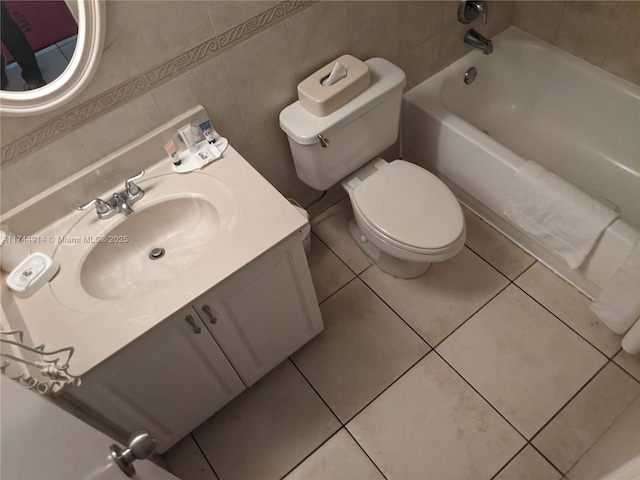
x: 477, y: 40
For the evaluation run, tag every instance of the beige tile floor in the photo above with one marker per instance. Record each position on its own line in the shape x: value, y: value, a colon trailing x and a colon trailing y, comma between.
x: 488, y: 366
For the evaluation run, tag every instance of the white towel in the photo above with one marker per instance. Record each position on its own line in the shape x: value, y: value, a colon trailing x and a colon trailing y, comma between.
x: 555, y: 213
x: 618, y: 303
x: 631, y: 341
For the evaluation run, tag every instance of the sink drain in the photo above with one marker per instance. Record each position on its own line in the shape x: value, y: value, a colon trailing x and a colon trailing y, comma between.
x: 156, y: 253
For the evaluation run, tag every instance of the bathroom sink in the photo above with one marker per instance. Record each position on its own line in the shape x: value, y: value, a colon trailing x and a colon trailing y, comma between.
x: 149, y: 248
x: 127, y: 257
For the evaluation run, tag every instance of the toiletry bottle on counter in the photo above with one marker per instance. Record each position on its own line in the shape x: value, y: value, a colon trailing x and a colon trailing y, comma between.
x: 172, y: 151
x: 208, y: 131
x: 12, y: 252
x: 189, y: 135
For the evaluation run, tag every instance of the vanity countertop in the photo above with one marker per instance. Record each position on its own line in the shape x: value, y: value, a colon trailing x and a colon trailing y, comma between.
x: 261, y: 217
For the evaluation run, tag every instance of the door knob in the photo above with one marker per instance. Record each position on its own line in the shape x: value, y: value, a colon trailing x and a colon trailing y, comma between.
x: 141, y: 446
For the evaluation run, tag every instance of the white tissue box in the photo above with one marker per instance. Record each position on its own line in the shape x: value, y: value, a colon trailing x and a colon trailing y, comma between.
x: 323, y: 100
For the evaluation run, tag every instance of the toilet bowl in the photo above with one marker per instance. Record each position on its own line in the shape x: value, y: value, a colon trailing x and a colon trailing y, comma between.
x: 404, y: 217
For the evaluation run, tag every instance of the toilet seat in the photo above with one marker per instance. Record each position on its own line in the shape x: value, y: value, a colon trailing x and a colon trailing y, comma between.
x: 410, y: 208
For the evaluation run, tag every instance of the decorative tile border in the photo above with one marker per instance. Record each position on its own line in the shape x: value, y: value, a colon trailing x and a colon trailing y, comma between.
x: 292, y: 7
x: 183, y: 62
x: 251, y: 27
x: 133, y: 87
x: 79, y: 115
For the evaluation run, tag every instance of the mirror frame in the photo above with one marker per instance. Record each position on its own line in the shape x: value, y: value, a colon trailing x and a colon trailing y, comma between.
x: 79, y: 72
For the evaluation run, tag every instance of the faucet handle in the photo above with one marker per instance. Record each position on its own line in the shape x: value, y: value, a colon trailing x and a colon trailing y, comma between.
x: 481, y: 8
x: 133, y: 191
x: 468, y: 10
x: 104, y: 209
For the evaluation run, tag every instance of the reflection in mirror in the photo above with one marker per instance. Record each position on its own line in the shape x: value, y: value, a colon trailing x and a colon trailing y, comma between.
x: 38, y: 41
x: 83, y: 62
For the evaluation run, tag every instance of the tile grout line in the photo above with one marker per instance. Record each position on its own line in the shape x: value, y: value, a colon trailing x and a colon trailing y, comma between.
x: 342, y: 425
x: 388, y: 386
x: 545, y: 457
x: 316, y: 391
x: 326, y: 405
x: 204, y: 455
x: 535, y: 260
x: 339, y: 289
x: 488, y: 263
x: 394, y: 312
x: 473, y: 314
x: 509, y: 461
x: 546, y: 423
x: 562, y: 321
x: 624, y: 370
x: 610, y: 361
x: 603, y: 433
x: 365, y: 452
x: 481, y: 396
x: 311, y: 453
x: 339, y: 257
x: 564, y: 405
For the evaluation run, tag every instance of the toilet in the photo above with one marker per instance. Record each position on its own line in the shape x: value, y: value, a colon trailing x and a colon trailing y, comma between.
x: 404, y: 217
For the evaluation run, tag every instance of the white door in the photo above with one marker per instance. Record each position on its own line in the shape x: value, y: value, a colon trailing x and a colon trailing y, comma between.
x: 40, y: 441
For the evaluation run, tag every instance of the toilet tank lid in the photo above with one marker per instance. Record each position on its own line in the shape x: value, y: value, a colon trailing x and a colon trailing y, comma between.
x: 304, y: 127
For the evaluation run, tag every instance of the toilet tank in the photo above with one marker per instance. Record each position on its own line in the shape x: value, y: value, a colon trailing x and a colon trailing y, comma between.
x: 354, y: 134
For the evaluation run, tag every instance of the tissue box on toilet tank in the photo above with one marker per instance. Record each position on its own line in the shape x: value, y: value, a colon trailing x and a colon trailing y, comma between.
x: 323, y: 100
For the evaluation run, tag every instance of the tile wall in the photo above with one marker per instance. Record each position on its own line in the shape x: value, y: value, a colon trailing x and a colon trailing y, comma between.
x: 604, y: 33
x: 241, y: 60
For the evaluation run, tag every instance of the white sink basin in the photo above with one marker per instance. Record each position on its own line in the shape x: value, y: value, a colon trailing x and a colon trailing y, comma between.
x: 178, y: 222
x: 150, y: 248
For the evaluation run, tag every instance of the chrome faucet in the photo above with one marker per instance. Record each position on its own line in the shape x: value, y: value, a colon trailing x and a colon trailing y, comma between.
x: 120, y: 202
x: 477, y: 40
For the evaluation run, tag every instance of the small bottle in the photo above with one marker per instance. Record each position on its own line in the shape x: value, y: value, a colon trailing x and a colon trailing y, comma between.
x: 172, y: 151
x: 209, y: 133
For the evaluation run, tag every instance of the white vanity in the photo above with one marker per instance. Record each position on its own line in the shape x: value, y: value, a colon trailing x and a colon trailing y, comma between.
x: 161, y: 344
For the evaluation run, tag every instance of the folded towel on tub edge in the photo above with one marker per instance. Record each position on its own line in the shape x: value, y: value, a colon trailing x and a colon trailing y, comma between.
x: 556, y: 213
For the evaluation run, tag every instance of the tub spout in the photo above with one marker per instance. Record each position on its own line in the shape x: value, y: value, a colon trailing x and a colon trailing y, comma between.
x: 477, y: 40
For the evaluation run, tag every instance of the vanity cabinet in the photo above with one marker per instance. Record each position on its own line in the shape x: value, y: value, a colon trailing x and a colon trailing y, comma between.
x: 167, y: 382
x: 183, y: 370
x: 264, y: 312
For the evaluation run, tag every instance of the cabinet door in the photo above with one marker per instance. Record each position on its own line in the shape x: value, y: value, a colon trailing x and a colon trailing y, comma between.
x: 265, y: 312
x: 167, y: 382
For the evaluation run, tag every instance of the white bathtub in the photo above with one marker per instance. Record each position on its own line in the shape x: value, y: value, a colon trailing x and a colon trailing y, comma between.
x: 532, y: 101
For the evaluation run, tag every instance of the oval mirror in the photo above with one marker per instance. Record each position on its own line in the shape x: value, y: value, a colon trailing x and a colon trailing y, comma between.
x: 85, y: 58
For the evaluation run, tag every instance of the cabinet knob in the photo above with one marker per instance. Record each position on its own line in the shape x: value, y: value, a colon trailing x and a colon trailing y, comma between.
x: 192, y: 322
x: 207, y: 310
